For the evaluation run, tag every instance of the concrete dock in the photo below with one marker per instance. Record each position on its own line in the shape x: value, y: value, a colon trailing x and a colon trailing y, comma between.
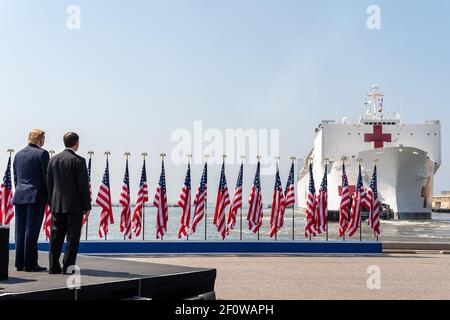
x: 402, y: 276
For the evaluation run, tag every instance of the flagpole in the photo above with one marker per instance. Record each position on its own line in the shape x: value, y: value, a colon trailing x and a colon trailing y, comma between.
x: 144, y: 155
x: 163, y: 155
x: 107, y: 154
x: 240, y: 232
x: 259, y: 158
x: 343, y: 165
x: 277, y: 160
x: 90, y: 153
x: 189, y: 156
x: 293, y: 209
x: 376, y: 235
x: 51, y: 153
x: 360, y: 213
x: 326, y: 213
x: 127, y: 155
x: 206, y: 199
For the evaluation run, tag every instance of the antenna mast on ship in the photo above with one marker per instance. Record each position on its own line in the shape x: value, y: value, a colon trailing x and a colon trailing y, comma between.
x: 375, y: 98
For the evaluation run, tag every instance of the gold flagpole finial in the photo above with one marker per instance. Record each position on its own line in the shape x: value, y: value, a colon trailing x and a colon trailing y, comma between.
x: 189, y: 157
x: 243, y: 157
x: 206, y: 156
x: 127, y: 155
x: 162, y: 155
x: 10, y: 151
x: 107, y: 154
x: 258, y: 157
x: 90, y: 153
x: 293, y: 158
x: 51, y: 153
x: 144, y: 155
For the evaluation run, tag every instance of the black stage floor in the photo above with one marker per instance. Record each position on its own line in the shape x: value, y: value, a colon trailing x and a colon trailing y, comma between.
x: 109, y: 278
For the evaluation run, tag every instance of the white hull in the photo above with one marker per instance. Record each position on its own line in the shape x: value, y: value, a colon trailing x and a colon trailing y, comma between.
x: 405, y: 180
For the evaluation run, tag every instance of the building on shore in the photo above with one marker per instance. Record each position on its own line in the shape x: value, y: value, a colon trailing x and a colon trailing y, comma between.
x: 442, y: 202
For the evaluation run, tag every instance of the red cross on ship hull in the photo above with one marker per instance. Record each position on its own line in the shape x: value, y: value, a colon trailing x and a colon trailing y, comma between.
x: 378, y: 137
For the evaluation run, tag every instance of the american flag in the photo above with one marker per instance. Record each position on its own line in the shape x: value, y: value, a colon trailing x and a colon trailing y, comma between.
x: 321, y: 206
x: 47, y: 221
x: 345, y: 204
x: 278, y: 206
x: 89, y: 169
x: 185, y: 203
x: 223, y: 200
x: 289, y: 192
x: 374, y: 199
x: 104, y: 201
x: 355, y: 212
x: 6, y: 196
x: 142, y: 198
x: 311, y: 204
x: 200, y: 200
x: 160, y: 202
x: 237, y: 201
x: 255, y: 212
x: 125, y: 202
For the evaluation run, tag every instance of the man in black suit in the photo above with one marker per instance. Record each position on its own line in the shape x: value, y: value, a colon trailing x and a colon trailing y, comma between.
x: 30, y: 171
x: 69, y: 200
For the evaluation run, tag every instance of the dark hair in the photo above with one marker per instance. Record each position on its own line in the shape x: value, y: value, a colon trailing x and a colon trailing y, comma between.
x: 70, y: 139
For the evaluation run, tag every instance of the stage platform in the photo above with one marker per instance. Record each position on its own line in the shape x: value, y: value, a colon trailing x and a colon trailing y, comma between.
x: 352, y: 247
x: 109, y: 278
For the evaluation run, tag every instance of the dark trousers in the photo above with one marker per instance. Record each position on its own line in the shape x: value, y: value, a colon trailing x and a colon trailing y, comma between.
x: 64, y: 224
x: 28, y: 224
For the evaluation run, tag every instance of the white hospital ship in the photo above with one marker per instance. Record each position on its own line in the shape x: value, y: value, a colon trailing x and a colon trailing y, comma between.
x: 407, y: 155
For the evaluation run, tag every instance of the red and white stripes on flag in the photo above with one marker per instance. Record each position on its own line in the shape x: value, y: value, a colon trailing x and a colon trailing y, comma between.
x: 255, y: 212
x: 357, y: 203
x: 223, y: 200
x: 236, y: 203
x: 185, y: 203
x: 160, y: 202
x: 200, y: 199
x: 311, y: 203
x: 345, y: 204
x: 142, y: 198
x: 289, y: 192
x: 278, y: 206
x: 322, y: 205
x: 125, y: 202
x: 104, y: 201
x: 47, y: 221
x: 375, y: 204
x: 6, y: 196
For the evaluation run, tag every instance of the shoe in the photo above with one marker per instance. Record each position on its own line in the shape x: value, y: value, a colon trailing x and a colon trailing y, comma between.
x: 69, y: 273
x: 37, y: 268
x: 56, y: 271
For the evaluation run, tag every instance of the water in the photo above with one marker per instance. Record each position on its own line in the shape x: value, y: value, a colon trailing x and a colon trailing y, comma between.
x: 435, y: 230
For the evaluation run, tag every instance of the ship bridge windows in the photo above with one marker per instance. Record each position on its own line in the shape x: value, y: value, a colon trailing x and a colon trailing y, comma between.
x: 386, y: 123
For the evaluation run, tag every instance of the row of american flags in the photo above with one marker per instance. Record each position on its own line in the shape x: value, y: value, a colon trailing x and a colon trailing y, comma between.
x: 226, y: 210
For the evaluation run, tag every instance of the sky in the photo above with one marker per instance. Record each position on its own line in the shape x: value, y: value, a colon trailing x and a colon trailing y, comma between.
x: 138, y: 71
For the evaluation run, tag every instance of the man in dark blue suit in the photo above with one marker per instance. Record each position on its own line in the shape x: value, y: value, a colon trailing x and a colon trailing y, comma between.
x: 30, y: 172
